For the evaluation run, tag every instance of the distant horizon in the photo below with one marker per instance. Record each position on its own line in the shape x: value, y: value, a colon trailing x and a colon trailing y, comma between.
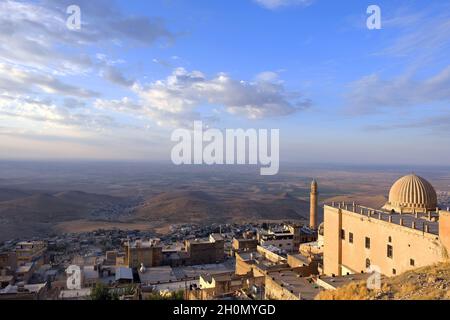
x: 227, y: 167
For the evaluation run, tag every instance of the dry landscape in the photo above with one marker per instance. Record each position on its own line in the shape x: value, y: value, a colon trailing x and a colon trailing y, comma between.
x: 46, y: 198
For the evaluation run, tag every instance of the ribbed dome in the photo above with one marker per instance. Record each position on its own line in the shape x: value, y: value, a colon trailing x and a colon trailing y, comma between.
x: 412, y: 193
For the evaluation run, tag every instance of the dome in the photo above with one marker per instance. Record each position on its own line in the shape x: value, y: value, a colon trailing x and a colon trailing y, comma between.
x: 412, y: 193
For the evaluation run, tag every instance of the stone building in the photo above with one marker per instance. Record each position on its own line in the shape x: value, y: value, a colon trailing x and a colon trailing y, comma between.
x: 243, y: 245
x: 410, y: 231
x: 289, y: 285
x: 140, y: 252
x: 208, y: 251
x: 220, y: 285
x: 8, y: 261
x: 31, y: 252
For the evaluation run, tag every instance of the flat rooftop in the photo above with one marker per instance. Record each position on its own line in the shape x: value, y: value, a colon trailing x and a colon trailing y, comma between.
x: 157, y: 275
x: 123, y: 273
x: 301, y: 258
x: 304, y: 288
x: 75, y: 294
x: 226, y: 276
x: 144, y: 244
x: 420, y: 221
x: 248, y: 256
x: 29, y: 288
x: 196, y: 271
x: 337, y: 282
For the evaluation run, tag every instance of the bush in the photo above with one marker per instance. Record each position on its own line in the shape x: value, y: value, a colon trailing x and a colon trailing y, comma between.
x: 101, y: 292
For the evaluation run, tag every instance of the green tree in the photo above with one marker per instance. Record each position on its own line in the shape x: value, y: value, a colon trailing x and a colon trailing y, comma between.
x: 101, y: 292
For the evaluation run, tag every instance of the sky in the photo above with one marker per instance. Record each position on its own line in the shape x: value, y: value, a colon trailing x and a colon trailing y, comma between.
x: 136, y: 70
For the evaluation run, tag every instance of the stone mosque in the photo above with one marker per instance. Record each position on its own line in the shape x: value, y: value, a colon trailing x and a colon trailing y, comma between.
x: 408, y: 232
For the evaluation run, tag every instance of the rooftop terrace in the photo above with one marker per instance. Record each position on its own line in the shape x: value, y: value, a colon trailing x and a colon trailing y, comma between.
x: 425, y: 222
x: 304, y: 288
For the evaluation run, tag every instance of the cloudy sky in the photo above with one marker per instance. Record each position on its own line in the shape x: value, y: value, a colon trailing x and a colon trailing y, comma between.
x: 137, y: 70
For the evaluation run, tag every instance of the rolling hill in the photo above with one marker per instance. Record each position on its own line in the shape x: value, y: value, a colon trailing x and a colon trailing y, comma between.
x: 196, y: 206
x: 29, y: 214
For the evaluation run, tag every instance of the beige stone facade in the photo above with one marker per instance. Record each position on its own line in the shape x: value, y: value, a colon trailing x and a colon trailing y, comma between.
x: 147, y: 253
x: 407, y: 233
x: 354, y: 241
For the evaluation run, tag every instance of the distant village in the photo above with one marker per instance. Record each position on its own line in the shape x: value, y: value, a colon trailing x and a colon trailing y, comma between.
x: 209, y: 262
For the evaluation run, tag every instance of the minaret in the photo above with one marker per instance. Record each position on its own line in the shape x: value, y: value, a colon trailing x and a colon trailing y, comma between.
x: 314, y: 197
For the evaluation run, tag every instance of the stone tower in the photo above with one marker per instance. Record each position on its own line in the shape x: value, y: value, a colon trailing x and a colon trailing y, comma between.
x: 314, y: 197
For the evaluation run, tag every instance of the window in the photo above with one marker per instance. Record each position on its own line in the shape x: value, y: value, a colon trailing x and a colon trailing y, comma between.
x: 367, y: 263
x: 343, y: 234
x: 412, y: 262
x: 390, y: 239
x: 394, y: 272
x: 390, y: 251
x: 350, y: 237
x: 367, y: 243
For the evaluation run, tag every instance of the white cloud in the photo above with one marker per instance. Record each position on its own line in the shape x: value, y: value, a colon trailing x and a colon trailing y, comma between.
x: 372, y: 94
x: 422, y: 42
x: 275, y: 4
x: 176, y: 100
x: 34, y: 34
x: 24, y: 109
x: 22, y: 80
x: 43, y: 64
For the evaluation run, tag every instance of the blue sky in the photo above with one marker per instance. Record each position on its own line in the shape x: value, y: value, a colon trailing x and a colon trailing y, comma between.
x: 136, y: 70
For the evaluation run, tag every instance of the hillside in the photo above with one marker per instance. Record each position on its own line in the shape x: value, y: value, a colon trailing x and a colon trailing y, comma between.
x: 195, y: 206
x: 371, y: 201
x: 427, y: 283
x: 43, y: 206
x: 11, y: 194
x: 29, y: 213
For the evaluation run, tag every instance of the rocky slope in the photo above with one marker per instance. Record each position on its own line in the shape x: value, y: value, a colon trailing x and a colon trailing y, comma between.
x: 427, y: 283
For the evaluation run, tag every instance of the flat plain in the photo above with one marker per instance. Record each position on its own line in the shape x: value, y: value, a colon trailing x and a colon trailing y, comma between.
x: 44, y: 198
